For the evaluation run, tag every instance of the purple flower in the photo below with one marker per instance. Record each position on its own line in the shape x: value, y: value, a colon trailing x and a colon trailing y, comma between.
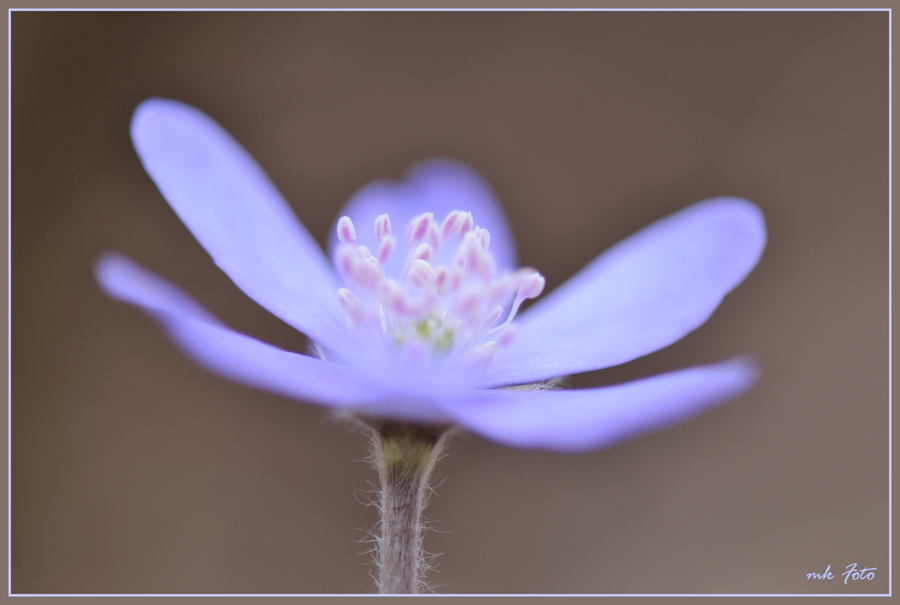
x: 412, y: 314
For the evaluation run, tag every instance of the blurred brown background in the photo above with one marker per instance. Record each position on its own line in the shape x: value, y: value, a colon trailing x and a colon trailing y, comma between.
x: 136, y: 471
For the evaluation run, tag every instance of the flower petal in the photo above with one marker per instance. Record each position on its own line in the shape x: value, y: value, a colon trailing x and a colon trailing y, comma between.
x: 580, y: 420
x: 641, y: 295
x: 226, y: 352
x: 237, y: 215
x: 438, y: 186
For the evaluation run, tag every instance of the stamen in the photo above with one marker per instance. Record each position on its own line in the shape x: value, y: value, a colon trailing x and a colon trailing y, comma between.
x: 529, y: 284
x: 449, y: 310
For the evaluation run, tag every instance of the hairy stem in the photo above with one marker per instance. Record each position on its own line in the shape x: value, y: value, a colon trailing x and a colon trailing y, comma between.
x: 405, y: 454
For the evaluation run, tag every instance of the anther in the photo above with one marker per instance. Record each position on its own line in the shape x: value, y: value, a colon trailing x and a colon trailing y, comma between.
x: 449, y: 224
x: 457, y: 274
x: 368, y: 272
x: 351, y: 304
x: 529, y: 283
x: 483, y: 237
x: 499, y: 289
x: 483, y: 355
x: 477, y: 258
x: 470, y: 304
x: 347, y: 259
x: 382, y: 227
x: 346, y: 231
x: 391, y: 295
x: 386, y: 247
x: 493, y: 316
x: 466, y: 224
x: 434, y: 235
x: 424, y: 252
x: 441, y: 279
x: 418, y: 228
x: 422, y: 274
x: 506, y: 335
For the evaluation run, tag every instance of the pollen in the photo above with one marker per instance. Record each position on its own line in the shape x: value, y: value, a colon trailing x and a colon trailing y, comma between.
x: 448, y: 299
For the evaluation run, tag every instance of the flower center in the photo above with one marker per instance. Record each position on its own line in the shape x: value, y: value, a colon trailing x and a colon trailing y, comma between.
x: 448, y: 300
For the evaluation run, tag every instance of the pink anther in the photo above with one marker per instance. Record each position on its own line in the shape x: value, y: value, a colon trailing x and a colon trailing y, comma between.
x: 346, y: 231
x: 457, y: 275
x: 530, y: 283
x: 482, y: 356
x: 493, y: 316
x: 351, y: 304
x: 424, y: 252
x: 368, y: 273
x: 418, y: 228
x: 477, y: 259
x: 499, y: 289
x: 386, y: 247
x: 450, y: 223
x: 483, y: 237
x: 422, y: 274
x: 441, y: 279
x: 347, y: 259
x: 466, y: 224
x: 506, y: 335
x: 382, y: 227
x: 471, y: 303
x: 434, y: 235
x: 391, y: 296
x: 422, y: 306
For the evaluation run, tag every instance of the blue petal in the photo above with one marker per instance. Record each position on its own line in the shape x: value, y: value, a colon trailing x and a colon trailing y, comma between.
x: 249, y: 361
x: 238, y: 216
x: 581, y: 420
x: 641, y: 295
x: 438, y: 186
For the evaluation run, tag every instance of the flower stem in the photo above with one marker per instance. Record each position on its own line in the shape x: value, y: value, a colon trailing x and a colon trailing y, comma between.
x: 405, y: 454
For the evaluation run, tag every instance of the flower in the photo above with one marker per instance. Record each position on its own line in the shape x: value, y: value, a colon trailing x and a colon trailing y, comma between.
x: 412, y: 313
